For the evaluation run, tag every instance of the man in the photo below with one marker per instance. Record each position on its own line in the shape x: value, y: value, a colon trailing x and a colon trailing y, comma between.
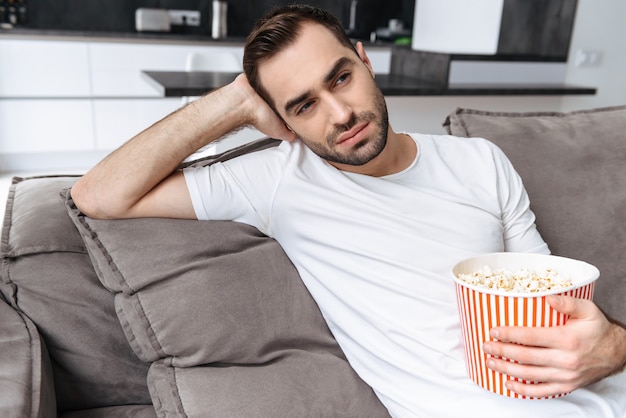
x: 373, y: 220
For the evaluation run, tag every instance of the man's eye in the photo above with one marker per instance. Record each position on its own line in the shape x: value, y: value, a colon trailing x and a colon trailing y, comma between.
x: 306, y: 106
x: 342, y: 78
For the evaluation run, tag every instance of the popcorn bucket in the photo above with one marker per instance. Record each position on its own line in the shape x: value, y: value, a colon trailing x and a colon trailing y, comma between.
x: 481, y: 309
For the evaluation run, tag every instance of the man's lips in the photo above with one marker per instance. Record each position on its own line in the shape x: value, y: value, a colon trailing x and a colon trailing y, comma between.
x: 352, y: 135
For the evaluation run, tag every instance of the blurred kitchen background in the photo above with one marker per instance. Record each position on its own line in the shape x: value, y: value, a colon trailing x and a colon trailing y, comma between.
x: 119, y: 15
x: 73, y: 88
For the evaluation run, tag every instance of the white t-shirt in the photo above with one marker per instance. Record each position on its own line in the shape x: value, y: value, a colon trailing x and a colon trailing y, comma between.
x: 376, y: 255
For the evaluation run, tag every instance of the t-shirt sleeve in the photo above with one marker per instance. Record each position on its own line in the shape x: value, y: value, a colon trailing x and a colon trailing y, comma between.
x: 520, y: 231
x: 241, y: 189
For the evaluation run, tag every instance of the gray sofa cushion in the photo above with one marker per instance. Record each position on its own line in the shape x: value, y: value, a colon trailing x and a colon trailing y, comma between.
x: 26, y: 385
x: 223, y: 315
x: 47, y: 276
x: 125, y: 411
x: 574, y: 168
x: 299, y: 384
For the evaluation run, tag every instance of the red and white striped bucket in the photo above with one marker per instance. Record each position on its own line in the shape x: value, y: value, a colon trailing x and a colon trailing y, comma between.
x: 482, y: 309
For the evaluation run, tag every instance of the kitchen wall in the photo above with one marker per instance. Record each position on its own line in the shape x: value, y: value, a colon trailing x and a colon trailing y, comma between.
x: 119, y: 15
x: 599, y: 29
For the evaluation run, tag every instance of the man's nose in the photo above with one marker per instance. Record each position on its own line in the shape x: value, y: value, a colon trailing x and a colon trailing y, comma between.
x: 339, y: 111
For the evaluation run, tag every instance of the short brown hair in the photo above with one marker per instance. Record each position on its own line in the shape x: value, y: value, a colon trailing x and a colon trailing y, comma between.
x: 278, y: 29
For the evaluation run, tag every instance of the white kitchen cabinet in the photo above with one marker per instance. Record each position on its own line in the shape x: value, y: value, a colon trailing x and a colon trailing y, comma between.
x: 81, y: 95
x: 118, y: 120
x: 38, y: 68
x: 45, y: 125
x: 85, y: 96
x: 116, y: 67
x: 45, y: 104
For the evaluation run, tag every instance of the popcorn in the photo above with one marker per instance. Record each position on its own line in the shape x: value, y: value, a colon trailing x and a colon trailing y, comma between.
x: 521, y: 281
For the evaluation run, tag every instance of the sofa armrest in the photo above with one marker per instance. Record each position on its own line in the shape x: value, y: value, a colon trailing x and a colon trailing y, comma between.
x: 26, y: 380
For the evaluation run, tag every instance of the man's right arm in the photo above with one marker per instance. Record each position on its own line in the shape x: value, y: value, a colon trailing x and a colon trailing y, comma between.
x: 140, y: 179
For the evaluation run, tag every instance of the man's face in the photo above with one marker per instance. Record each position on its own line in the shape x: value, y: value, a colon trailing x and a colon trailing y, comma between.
x: 327, y: 95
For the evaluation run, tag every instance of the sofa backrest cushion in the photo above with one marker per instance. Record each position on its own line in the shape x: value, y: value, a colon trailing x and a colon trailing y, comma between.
x: 574, y: 168
x: 48, y: 277
x: 224, y: 317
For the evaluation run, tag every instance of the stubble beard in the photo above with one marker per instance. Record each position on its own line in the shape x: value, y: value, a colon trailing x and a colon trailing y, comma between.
x: 366, y: 150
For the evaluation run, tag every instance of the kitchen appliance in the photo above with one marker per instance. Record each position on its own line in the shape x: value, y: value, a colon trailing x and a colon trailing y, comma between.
x: 13, y: 13
x: 218, y: 25
x: 152, y: 20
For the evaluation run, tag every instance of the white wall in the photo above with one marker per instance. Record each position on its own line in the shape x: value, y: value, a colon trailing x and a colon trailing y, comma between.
x: 599, y: 26
x: 425, y: 114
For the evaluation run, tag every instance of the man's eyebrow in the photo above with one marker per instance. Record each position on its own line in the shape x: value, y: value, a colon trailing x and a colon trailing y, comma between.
x: 339, y: 64
x: 294, y: 102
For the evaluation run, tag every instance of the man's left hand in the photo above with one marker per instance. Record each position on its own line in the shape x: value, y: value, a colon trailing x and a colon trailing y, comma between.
x: 584, y: 350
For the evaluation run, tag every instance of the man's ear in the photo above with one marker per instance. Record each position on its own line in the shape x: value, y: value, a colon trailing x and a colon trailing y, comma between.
x: 361, y: 51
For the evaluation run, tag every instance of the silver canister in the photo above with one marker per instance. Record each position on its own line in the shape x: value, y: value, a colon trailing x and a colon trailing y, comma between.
x: 218, y: 25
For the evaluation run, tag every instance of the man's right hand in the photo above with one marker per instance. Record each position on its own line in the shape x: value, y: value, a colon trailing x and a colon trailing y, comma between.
x: 262, y: 116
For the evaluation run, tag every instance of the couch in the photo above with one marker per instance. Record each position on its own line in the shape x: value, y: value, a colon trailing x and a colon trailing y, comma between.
x: 178, y: 318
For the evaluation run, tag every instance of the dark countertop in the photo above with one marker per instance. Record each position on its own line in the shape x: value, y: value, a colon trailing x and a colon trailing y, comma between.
x: 104, y: 36
x: 137, y: 37
x: 181, y: 83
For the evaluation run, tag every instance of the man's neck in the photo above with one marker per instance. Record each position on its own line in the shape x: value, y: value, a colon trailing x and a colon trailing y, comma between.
x: 398, y: 154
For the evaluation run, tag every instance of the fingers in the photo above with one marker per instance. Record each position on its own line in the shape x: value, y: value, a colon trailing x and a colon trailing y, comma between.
x: 560, y: 358
x: 574, y: 307
x: 550, y: 371
x: 534, y: 381
x: 580, y: 311
x: 533, y: 364
x: 539, y: 390
x: 529, y: 337
x: 536, y: 356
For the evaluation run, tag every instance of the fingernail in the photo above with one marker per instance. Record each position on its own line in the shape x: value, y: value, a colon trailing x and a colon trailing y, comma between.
x: 494, y: 333
x: 491, y: 363
x: 487, y: 348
